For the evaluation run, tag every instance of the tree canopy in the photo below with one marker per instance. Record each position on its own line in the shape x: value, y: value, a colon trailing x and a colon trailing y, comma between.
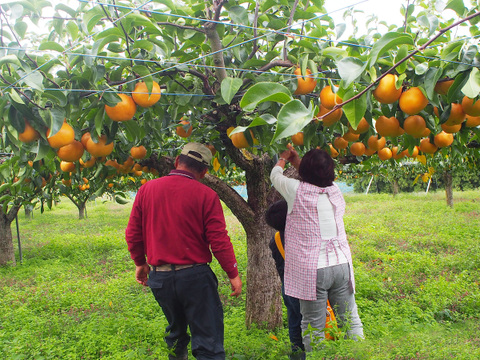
x: 243, y: 77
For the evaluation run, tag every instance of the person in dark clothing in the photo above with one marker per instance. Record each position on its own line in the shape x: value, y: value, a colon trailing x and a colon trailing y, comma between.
x: 275, y: 217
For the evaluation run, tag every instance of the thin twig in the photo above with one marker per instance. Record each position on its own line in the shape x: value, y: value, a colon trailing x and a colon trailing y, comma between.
x: 406, y: 17
x: 181, y: 26
x: 21, y: 93
x: 289, y: 25
x: 282, y: 63
x: 255, y: 23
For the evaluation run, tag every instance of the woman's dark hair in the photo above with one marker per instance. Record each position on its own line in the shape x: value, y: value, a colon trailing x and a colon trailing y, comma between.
x: 191, y: 163
x: 276, y: 215
x: 317, y: 168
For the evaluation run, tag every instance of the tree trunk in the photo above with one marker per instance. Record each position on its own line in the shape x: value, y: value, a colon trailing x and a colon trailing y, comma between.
x: 448, y: 180
x: 82, y: 209
x: 396, y: 187
x: 264, y: 303
x: 28, y: 211
x: 7, y: 253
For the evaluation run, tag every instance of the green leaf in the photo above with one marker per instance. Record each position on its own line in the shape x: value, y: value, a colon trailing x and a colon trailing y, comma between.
x: 334, y: 53
x: 472, y: 86
x: 340, y: 29
x: 121, y: 200
x: 56, y: 119
x: 431, y: 78
x: 43, y: 150
x: 350, y: 69
x: 115, y: 47
x: 4, y: 187
x: 141, y: 70
x: 34, y: 79
x: 262, y: 92
x: 51, y: 45
x: 355, y: 110
x: 164, y: 49
x: 143, y: 44
x: 133, y: 131
x: 99, y: 121
x: 454, y: 93
x: 230, y: 87
x: 67, y: 9
x: 387, y: 42
x: 139, y: 19
x: 112, y: 31
x: 264, y: 119
x: 93, y: 21
x: 72, y: 29
x: 100, y: 191
x: 21, y: 28
x: 430, y: 21
x: 10, y: 59
x: 22, y: 110
x: 56, y: 96
x: 15, y: 97
x: 457, y: 6
x: 292, y: 118
x: 98, y: 45
x: 421, y: 69
x: 401, y: 54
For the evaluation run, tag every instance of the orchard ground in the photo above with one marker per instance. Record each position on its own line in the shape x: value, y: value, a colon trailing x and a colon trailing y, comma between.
x: 416, y: 261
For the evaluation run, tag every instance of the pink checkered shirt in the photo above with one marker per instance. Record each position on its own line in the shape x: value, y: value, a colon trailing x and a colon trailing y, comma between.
x: 303, y: 240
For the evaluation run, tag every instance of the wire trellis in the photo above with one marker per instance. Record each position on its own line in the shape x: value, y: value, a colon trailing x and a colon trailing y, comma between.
x: 191, y: 63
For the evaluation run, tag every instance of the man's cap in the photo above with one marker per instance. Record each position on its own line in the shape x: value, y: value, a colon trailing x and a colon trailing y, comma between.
x: 198, y: 152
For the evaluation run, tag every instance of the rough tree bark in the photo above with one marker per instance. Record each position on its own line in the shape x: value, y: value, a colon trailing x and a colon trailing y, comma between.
x: 263, y: 306
x: 28, y: 211
x: 82, y: 209
x: 81, y: 206
x: 396, y: 187
x: 448, y: 180
x: 7, y: 253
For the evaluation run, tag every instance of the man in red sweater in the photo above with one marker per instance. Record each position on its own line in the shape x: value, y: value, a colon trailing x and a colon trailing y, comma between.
x: 176, y: 224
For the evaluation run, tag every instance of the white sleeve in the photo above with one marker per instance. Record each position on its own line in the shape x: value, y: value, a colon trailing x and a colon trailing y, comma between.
x: 287, y: 187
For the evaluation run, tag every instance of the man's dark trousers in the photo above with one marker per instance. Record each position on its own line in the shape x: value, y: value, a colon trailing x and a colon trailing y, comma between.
x: 189, y: 298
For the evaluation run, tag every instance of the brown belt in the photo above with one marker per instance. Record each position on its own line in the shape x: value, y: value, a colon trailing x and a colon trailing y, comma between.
x: 173, y: 267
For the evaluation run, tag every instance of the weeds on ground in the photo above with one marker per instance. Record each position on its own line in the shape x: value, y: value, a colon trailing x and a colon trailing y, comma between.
x: 417, y: 265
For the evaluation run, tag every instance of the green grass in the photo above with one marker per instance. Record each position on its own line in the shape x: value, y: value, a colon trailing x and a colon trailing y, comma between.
x: 417, y: 267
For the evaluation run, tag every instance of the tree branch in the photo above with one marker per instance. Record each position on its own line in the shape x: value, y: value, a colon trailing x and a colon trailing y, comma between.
x: 184, y: 27
x: 421, y: 48
x: 406, y: 17
x: 217, y: 55
x: 207, y: 89
x: 22, y: 93
x: 289, y: 25
x: 218, y: 9
x: 12, y: 212
x: 216, y: 43
x: 281, y: 63
x: 255, y: 24
x: 229, y: 196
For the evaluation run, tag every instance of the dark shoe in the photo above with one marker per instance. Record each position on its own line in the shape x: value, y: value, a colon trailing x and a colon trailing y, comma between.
x: 179, y: 355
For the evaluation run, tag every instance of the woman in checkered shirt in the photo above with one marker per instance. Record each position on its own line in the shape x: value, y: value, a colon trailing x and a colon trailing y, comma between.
x: 318, y: 261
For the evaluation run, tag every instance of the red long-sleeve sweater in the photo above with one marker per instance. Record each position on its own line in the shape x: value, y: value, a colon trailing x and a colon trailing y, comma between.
x: 178, y: 220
